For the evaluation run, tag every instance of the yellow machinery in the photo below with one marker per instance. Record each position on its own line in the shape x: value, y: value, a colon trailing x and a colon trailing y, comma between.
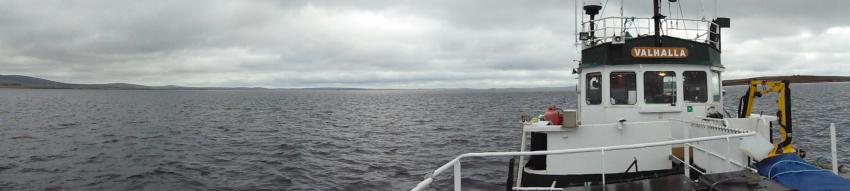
x: 745, y: 108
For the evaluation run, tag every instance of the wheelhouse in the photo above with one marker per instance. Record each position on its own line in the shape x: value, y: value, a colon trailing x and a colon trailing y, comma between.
x: 647, y: 92
x: 648, y: 78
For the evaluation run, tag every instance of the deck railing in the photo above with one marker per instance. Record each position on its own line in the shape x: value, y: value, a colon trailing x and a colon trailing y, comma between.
x: 691, y: 29
x: 455, y: 163
x: 701, y: 127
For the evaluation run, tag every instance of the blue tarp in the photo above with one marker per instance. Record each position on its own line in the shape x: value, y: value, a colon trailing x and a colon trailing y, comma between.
x: 792, y: 171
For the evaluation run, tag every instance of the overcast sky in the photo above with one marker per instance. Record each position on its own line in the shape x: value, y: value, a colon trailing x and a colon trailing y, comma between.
x: 377, y: 43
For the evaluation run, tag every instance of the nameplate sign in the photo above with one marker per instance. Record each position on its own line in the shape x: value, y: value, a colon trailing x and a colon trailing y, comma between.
x: 659, y: 52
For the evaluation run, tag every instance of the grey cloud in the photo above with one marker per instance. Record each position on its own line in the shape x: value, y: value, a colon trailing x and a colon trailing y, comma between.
x: 370, y: 43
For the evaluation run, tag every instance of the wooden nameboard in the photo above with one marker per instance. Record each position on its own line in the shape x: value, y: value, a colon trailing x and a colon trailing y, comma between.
x: 659, y: 52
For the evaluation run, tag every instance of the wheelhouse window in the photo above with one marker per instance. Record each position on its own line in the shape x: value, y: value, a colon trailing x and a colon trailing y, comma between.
x: 718, y: 87
x: 623, y: 88
x: 594, y: 88
x: 659, y: 87
x: 696, y: 86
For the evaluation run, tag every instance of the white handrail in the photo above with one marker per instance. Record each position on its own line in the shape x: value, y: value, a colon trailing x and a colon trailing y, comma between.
x: 720, y: 157
x: 608, y: 27
x: 430, y: 178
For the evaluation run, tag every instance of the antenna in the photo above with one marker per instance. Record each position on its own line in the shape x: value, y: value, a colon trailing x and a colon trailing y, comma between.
x: 575, y: 21
x: 592, y: 7
x: 622, y: 20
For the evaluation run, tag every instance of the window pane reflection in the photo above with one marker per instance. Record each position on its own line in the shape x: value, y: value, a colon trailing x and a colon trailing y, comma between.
x: 623, y: 88
x: 696, y: 86
x: 659, y: 87
x: 594, y: 88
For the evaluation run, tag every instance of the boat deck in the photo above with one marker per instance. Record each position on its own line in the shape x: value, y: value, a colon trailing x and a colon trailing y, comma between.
x: 674, y: 182
x: 730, y: 181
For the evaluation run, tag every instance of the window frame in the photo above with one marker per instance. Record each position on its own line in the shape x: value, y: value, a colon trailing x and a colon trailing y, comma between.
x: 611, y: 86
x: 587, y: 86
x: 685, y: 86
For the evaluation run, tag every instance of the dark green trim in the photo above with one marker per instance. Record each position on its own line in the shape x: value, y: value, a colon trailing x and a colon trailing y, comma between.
x: 619, y: 54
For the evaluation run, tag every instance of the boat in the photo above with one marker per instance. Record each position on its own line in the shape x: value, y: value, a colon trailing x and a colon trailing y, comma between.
x: 650, y: 116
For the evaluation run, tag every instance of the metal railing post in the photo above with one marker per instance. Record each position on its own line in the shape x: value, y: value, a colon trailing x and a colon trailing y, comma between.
x: 834, y: 148
x: 605, y: 27
x: 457, y: 175
x: 521, y: 165
x: 603, y: 168
x: 687, y: 151
x: 728, y: 153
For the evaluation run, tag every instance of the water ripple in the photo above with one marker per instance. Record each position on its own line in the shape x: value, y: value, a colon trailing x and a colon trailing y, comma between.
x: 289, y: 140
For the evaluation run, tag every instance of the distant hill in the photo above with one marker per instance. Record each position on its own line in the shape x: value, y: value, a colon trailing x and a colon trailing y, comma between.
x: 27, y: 82
x: 793, y: 79
x: 333, y: 88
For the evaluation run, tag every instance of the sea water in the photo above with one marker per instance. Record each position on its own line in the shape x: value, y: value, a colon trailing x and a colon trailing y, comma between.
x: 300, y: 139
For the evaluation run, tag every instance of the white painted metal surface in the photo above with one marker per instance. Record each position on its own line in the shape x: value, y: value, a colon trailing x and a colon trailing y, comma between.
x: 601, y: 135
x: 457, y: 175
x: 758, y: 123
x: 687, y: 153
x: 606, y: 112
x: 834, y: 148
x: 718, y: 155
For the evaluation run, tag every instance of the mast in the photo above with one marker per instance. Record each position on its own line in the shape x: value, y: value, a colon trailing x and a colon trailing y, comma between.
x: 656, y: 8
